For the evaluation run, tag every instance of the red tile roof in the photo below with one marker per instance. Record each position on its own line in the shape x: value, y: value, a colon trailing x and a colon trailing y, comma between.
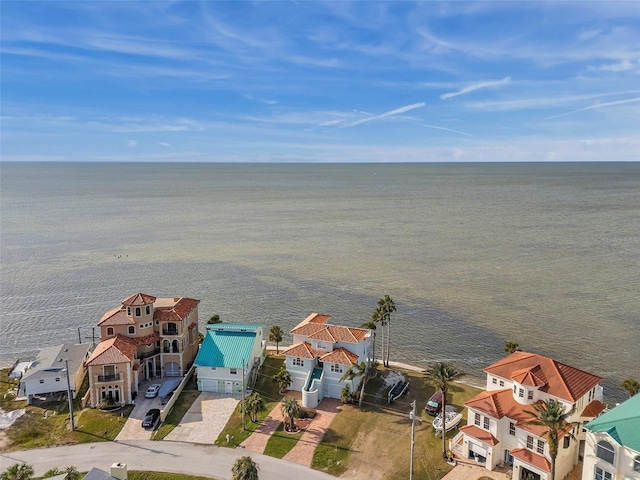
x: 301, y: 350
x: 531, y: 458
x: 532, y: 377
x: 119, y: 349
x: 593, y: 409
x: 483, y: 435
x: 147, y: 339
x: 115, y: 316
x: 138, y: 299
x: 177, y: 312
x: 341, y: 356
x: 500, y: 403
x: 314, y: 327
x: 560, y: 380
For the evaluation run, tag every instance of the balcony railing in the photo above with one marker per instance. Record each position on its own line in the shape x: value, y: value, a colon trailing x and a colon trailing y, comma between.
x: 144, y: 355
x: 170, y: 332
x: 109, y: 378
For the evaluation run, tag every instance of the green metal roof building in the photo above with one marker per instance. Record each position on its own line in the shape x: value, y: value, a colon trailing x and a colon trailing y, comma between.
x: 613, y: 443
x: 220, y: 358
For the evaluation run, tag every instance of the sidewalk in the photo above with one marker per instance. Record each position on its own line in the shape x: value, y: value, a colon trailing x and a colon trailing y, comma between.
x: 257, y: 441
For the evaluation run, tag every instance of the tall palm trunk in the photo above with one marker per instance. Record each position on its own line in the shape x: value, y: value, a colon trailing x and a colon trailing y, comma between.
x: 365, y: 376
x: 444, y: 423
x: 383, y: 345
x: 388, y: 341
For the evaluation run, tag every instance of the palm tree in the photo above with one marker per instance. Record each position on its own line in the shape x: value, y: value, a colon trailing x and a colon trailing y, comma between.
x: 631, y: 386
x: 18, y: 471
x: 275, y: 335
x: 244, y: 468
x: 378, y: 317
x: 511, y: 347
x: 386, y: 306
x: 283, y: 379
x: 72, y: 473
x: 357, y: 370
x: 440, y: 374
x: 345, y: 394
x: 291, y: 410
x: 371, y: 325
x: 215, y: 318
x: 552, y: 415
x: 253, y: 404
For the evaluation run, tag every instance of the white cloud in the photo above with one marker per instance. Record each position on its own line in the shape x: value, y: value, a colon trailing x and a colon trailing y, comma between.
x: 132, y: 144
x: 623, y: 66
x: 477, y: 86
x: 597, y: 105
x: 165, y: 145
x: 448, y: 130
x: 390, y: 113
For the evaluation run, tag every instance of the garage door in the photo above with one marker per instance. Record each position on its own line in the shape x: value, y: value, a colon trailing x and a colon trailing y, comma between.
x: 209, y: 386
x: 475, y: 448
x: 334, y: 391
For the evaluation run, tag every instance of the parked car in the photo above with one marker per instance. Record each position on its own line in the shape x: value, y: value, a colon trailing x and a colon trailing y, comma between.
x: 151, y: 418
x: 164, y: 400
x: 152, y: 391
x: 434, y: 405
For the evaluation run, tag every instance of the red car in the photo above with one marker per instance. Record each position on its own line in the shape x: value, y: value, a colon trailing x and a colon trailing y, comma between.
x: 151, y: 418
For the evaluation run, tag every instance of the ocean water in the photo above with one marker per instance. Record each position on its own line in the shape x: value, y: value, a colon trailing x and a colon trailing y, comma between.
x: 474, y: 255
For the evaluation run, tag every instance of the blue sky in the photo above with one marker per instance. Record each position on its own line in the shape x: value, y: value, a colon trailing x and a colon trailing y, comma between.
x: 308, y: 81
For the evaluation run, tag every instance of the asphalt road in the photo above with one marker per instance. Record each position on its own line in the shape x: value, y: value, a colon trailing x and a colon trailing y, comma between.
x: 165, y: 456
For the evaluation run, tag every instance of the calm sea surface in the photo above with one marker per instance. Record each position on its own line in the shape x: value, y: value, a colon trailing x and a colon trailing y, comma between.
x: 474, y: 255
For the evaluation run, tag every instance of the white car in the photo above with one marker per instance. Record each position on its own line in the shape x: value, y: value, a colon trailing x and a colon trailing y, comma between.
x: 152, y: 391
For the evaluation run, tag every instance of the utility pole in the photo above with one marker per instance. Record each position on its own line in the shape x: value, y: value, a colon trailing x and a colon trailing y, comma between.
x: 412, y: 415
x: 66, y: 364
x: 79, y: 338
x: 244, y: 426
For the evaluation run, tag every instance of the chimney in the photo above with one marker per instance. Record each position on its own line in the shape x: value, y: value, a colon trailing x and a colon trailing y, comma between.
x: 119, y: 471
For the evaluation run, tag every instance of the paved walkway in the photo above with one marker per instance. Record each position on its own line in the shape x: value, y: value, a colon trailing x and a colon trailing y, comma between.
x: 178, y: 457
x: 205, y: 419
x: 257, y: 441
x: 464, y: 471
x: 302, y: 452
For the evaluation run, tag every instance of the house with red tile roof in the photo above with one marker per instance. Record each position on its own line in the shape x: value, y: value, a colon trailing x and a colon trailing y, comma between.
x: 321, y: 353
x: 145, y: 337
x: 498, y: 430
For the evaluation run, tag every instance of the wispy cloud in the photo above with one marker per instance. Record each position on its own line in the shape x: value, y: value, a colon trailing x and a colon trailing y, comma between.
x: 477, y: 86
x: 448, y: 130
x: 390, y: 113
x: 132, y: 144
x: 165, y: 145
x: 597, y: 105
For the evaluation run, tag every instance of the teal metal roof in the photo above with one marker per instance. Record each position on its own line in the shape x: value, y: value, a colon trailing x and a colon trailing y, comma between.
x: 622, y: 423
x: 225, y: 345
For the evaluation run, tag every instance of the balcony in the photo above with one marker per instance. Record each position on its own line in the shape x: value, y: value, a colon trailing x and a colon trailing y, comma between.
x: 145, y: 355
x: 109, y: 378
x: 168, y: 332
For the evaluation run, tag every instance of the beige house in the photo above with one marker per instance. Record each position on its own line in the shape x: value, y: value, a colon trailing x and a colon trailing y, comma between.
x: 144, y: 338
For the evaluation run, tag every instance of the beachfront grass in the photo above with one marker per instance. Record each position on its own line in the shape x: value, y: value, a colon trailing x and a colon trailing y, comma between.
x: 266, y: 387
x: 281, y: 442
x: 182, y: 405
x: 374, y: 441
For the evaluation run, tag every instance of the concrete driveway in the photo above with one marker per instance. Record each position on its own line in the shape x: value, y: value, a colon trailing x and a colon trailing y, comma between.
x: 206, y: 418
x: 132, y: 429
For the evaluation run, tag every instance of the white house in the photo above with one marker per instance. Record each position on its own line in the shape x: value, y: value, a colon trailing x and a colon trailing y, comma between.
x: 612, y: 450
x: 320, y: 355
x: 46, y: 374
x: 226, y: 348
x: 497, y: 430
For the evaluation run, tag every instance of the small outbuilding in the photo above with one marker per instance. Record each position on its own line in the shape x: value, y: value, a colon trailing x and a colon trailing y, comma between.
x: 226, y: 348
x: 47, y: 373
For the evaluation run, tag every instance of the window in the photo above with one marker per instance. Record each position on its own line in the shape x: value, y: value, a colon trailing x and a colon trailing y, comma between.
x: 132, y: 330
x: 521, y: 393
x: 148, y: 310
x: 233, y: 371
x: 336, y: 368
x: 57, y: 379
x: 603, y: 474
x: 502, y: 383
x: 512, y: 428
x: 477, y: 419
x: 540, y: 448
x: 486, y: 423
x: 636, y: 464
x: 41, y: 381
x: 515, y: 389
x: 566, y: 441
x: 129, y: 311
x: 530, y: 394
x: 529, y: 442
x: 494, y: 381
x: 605, y: 451
x: 110, y: 331
x: 138, y: 311
x: 297, y: 362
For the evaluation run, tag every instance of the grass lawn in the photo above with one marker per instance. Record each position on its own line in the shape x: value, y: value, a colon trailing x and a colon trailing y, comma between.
x: 183, y: 403
x: 281, y: 442
x: 374, y: 442
x: 134, y: 475
x: 266, y: 387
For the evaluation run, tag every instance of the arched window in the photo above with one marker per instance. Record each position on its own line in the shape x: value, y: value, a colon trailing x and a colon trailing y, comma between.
x: 166, y: 346
x: 129, y: 311
x: 175, y: 346
x: 109, y: 330
x: 605, y: 451
x: 138, y: 311
x: 148, y: 310
x: 636, y: 464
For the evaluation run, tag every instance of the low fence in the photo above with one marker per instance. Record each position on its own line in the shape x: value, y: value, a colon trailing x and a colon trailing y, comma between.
x: 176, y: 393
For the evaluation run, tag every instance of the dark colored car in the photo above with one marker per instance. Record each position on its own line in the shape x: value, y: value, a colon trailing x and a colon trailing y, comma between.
x: 151, y: 418
x: 434, y: 405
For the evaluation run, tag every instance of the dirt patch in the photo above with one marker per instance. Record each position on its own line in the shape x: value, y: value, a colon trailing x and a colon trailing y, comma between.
x: 369, y: 466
